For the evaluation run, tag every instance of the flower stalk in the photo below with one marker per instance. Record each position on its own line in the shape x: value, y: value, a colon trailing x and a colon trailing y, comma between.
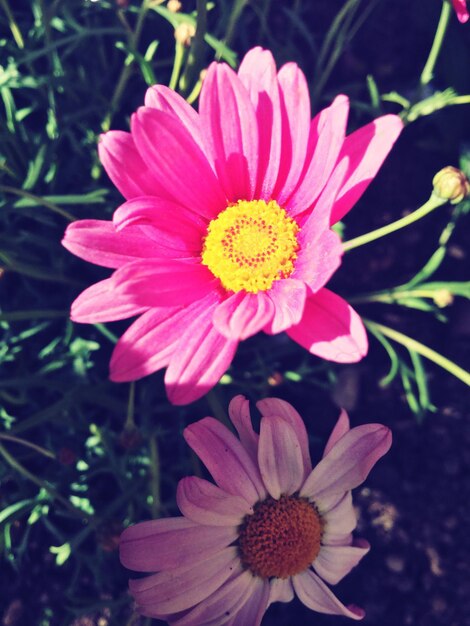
x: 428, y: 71
x: 423, y: 350
x: 433, y: 203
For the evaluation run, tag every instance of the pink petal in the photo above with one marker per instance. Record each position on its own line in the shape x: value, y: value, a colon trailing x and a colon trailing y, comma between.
x: 349, y: 461
x: 177, y: 162
x: 239, y: 413
x: 460, y: 7
x: 125, y: 167
x: 365, y: 149
x: 165, y: 282
x: 295, y: 105
x: 231, y: 135
x: 281, y: 590
x: 222, y: 605
x: 320, y: 248
x: 334, y: 562
x: 318, y: 218
x: 288, y: 296
x: 326, y: 138
x: 149, y: 342
x: 173, y: 542
x: 251, y: 614
x: 178, y: 589
x: 205, y: 503
x: 280, y: 408
x: 103, y: 303
x: 341, y: 428
x: 280, y: 457
x: 169, y: 225
x: 257, y: 72
x: 200, y: 358
x: 226, y: 459
x: 316, y: 596
x: 339, y: 516
x: 242, y: 314
x: 98, y: 241
x: 165, y: 99
x: 331, y: 329
x: 318, y: 260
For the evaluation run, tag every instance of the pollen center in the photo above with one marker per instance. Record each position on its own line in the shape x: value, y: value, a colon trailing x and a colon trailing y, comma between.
x: 281, y: 538
x: 250, y: 245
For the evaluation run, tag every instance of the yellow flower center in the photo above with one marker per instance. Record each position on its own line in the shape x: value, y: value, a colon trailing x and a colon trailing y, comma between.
x: 251, y: 244
x: 281, y: 538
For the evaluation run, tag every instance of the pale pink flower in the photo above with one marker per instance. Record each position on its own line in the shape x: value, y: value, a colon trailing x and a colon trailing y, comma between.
x: 460, y: 7
x: 226, y: 228
x: 271, y: 526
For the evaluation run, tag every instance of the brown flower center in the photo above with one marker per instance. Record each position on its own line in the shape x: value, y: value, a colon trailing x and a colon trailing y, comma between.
x: 281, y: 538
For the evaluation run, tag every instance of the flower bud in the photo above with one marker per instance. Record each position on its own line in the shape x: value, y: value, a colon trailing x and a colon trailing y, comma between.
x: 451, y: 184
x: 443, y: 298
x: 184, y: 33
x: 174, y: 6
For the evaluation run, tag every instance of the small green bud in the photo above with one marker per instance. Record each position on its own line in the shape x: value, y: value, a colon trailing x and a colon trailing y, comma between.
x: 451, y: 184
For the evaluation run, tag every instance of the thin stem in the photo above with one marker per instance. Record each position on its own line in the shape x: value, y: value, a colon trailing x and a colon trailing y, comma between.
x: 197, y: 47
x: 391, y: 297
x: 106, y: 332
x: 15, y: 31
x: 40, y: 483
x: 428, y: 70
x: 460, y: 100
x: 217, y: 408
x: 433, y: 203
x: 235, y: 14
x: 28, y: 444
x: 130, y: 423
x: 126, y: 72
x: 14, y: 316
x: 416, y: 346
x: 155, y: 476
x: 177, y: 65
x: 41, y: 201
x: 33, y: 272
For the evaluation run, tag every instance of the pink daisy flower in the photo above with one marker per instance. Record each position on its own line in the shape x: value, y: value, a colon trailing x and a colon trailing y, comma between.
x: 226, y: 227
x: 271, y: 526
x: 460, y: 7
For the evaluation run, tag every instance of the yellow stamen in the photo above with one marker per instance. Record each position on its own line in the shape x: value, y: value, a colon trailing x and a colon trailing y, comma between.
x: 281, y: 538
x: 250, y: 245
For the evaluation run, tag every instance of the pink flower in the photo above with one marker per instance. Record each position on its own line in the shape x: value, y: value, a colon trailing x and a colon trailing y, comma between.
x: 226, y: 227
x: 460, y: 7
x: 272, y: 526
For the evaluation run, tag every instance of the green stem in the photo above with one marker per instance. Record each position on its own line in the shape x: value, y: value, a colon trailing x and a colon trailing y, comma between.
x: 433, y: 203
x: 416, y: 346
x: 217, y: 408
x: 106, y: 332
x: 177, y: 65
x: 130, y: 422
x: 155, y: 476
x: 197, y: 47
x: 391, y: 297
x: 40, y: 201
x: 128, y: 68
x: 428, y: 70
x: 460, y: 100
x: 32, y: 271
x: 40, y: 483
x: 28, y: 444
x: 15, y: 31
x: 235, y: 14
x: 14, y: 316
